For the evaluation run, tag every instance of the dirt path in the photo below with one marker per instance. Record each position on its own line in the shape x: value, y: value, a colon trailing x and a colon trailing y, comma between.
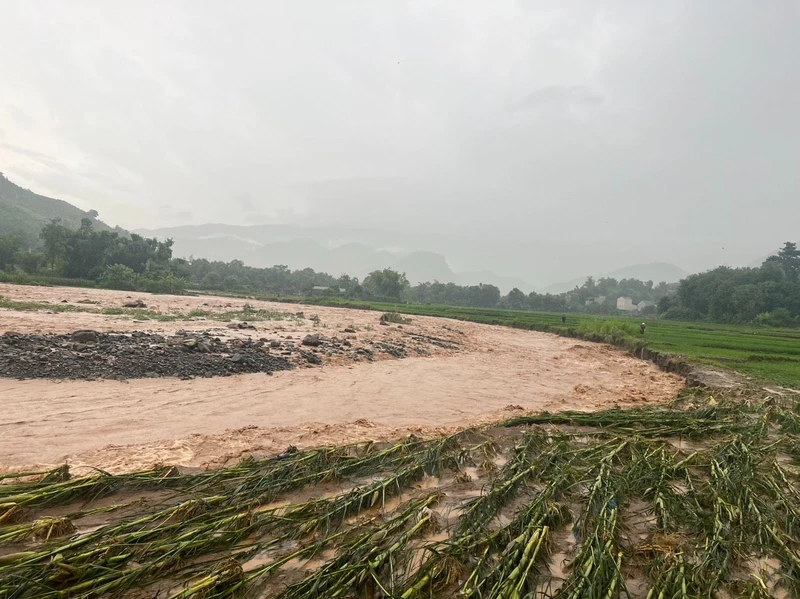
x: 133, y: 424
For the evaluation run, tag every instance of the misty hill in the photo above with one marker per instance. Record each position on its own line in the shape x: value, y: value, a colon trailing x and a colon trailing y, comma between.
x: 487, y: 277
x: 426, y: 266
x: 333, y: 250
x: 657, y: 272
x: 24, y: 213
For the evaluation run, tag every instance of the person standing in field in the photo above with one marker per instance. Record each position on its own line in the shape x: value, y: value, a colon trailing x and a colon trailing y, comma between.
x: 642, y: 327
x: 563, y: 319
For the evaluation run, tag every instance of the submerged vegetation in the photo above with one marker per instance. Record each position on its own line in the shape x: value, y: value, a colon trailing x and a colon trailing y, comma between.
x: 695, y: 500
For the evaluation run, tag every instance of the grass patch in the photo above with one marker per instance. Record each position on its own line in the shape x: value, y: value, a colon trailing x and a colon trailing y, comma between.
x: 10, y: 304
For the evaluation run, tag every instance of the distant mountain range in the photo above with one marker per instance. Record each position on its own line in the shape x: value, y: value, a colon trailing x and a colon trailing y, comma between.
x: 24, y: 213
x: 333, y: 250
x: 657, y: 272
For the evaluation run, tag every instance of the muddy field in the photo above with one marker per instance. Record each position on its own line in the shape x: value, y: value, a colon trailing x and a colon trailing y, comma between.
x: 198, y: 381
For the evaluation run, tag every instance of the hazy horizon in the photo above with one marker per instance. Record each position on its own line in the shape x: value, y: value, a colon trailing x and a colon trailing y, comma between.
x: 549, y: 139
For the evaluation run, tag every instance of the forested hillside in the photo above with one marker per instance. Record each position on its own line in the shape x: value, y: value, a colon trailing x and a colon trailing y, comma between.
x: 24, y: 213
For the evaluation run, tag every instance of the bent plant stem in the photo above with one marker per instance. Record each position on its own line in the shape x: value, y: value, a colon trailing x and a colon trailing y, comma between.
x: 596, y: 569
x: 361, y: 560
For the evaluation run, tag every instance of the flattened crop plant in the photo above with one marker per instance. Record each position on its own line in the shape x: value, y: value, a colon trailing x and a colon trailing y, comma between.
x: 690, y: 501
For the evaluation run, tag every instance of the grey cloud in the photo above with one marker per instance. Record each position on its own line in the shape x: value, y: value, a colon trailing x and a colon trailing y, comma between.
x: 559, y: 96
x: 169, y: 213
x: 34, y: 155
x: 19, y: 115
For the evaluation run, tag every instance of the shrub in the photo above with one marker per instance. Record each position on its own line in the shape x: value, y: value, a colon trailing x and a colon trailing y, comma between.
x: 165, y: 284
x: 119, y: 276
x: 30, y: 262
x: 780, y: 317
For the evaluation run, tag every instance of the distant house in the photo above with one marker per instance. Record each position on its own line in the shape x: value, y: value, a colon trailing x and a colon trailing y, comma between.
x: 625, y: 303
x: 644, y: 304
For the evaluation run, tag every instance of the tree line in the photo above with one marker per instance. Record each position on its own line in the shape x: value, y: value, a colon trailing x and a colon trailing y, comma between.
x: 107, y: 258
x: 769, y: 294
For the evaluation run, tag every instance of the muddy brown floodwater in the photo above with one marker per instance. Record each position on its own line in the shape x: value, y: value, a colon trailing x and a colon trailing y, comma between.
x: 470, y: 374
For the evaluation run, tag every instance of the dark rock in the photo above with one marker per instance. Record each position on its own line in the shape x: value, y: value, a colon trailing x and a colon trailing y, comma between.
x: 85, y: 336
x: 367, y: 353
x: 311, y: 358
x: 134, y: 304
x: 274, y: 344
x: 313, y: 340
x: 127, y: 356
x: 349, y: 330
x: 396, y: 351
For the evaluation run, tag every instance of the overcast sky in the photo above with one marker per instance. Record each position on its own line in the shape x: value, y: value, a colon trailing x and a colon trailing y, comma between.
x: 633, y: 131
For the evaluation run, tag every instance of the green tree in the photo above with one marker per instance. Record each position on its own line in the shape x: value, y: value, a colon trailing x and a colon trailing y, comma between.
x: 664, y: 304
x: 212, y: 280
x: 87, y: 251
x: 30, y: 262
x: 484, y: 296
x: 385, y: 283
x: 789, y: 258
x: 516, y: 300
x: 9, y: 250
x: 748, y: 302
x: 119, y: 276
x: 54, y: 235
